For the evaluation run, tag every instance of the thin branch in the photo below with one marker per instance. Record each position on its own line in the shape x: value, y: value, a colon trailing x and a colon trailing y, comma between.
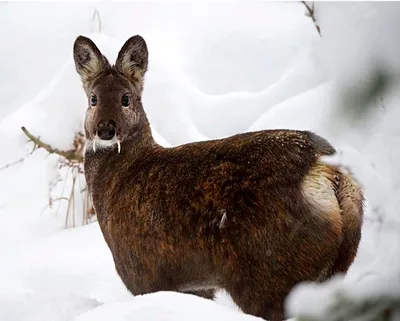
x: 18, y: 161
x: 71, y: 155
x: 311, y: 14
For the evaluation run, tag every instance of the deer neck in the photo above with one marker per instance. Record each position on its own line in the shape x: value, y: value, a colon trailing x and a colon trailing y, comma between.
x: 103, y: 162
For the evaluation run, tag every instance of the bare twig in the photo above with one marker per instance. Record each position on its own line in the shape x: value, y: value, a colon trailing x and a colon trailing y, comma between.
x: 311, y: 14
x: 72, y: 156
x: 18, y: 161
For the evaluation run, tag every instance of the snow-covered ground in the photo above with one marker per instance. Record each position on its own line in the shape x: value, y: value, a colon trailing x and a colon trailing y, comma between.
x: 216, y: 69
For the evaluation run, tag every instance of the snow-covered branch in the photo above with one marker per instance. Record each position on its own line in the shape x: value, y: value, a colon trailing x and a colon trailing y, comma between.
x: 73, y: 156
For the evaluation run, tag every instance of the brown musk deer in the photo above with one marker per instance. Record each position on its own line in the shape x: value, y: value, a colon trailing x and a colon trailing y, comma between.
x: 254, y: 214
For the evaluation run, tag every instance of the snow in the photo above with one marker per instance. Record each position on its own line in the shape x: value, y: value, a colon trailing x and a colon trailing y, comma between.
x: 164, y: 306
x: 213, y: 73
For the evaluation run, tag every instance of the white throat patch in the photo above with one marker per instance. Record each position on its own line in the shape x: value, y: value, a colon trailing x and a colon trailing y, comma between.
x: 98, y: 144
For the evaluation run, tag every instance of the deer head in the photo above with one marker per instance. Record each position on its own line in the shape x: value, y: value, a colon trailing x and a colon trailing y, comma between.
x: 115, y: 112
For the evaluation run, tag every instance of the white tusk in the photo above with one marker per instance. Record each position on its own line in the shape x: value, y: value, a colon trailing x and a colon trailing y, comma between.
x: 119, y: 146
x: 94, y: 146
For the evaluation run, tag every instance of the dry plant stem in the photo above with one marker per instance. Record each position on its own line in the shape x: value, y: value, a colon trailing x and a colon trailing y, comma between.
x: 71, y: 155
x: 83, y: 201
x: 87, y: 206
x: 62, y: 192
x: 73, y: 197
x: 68, y: 208
x: 311, y: 14
x: 54, y: 200
x: 70, y: 202
x: 73, y: 208
x: 97, y: 14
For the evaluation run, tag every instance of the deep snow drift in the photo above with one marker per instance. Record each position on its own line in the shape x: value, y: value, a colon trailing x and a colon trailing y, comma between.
x: 209, y: 77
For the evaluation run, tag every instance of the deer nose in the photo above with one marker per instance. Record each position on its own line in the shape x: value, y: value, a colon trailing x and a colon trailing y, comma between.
x: 106, y: 131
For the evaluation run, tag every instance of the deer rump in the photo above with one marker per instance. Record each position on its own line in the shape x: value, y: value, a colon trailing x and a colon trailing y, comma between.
x: 254, y: 214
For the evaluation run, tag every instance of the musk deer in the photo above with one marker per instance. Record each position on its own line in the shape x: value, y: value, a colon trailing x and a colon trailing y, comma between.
x: 254, y: 214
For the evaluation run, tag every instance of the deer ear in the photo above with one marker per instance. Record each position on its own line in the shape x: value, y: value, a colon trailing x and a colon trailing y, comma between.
x: 132, y: 61
x: 89, y: 62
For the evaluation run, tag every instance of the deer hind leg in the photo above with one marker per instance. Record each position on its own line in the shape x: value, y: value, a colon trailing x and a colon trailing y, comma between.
x: 253, y: 296
x: 276, y: 315
x: 273, y: 314
x: 258, y: 305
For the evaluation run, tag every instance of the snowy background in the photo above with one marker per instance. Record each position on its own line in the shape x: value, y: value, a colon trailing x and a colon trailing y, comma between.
x: 216, y: 69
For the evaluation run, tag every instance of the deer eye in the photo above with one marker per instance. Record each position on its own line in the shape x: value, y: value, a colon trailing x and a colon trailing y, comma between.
x: 125, y: 100
x: 93, y: 100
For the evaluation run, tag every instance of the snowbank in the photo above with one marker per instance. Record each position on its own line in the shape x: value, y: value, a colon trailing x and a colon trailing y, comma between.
x: 165, y: 306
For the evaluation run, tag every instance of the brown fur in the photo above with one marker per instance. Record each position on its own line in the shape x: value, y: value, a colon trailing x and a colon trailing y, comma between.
x: 255, y: 213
